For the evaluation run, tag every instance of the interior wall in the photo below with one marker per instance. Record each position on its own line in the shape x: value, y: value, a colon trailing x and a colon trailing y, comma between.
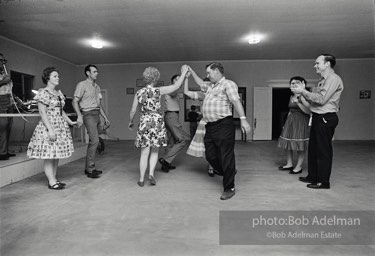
x: 356, y: 116
x: 30, y: 61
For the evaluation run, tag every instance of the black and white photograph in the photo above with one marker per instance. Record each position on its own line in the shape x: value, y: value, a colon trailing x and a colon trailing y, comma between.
x: 170, y: 127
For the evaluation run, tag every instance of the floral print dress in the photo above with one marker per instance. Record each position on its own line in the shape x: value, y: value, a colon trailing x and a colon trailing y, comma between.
x: 151, y: 129
x: 40, y: 145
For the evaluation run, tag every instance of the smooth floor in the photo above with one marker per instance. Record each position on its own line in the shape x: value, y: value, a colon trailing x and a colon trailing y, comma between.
x: 112, y: 215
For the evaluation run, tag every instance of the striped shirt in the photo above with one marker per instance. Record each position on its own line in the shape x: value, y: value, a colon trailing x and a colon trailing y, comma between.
x: 325, y: 97
x: 217, y: 103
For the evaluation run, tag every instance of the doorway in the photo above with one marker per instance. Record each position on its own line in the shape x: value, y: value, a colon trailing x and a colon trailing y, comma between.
x: 280, y: 110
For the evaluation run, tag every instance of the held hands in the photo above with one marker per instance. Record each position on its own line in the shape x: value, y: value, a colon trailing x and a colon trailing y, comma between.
x: 184, y: 69
x: 74, y: 124
x: 130, y: 126
x: 79, y: 121
x: 297, y: 88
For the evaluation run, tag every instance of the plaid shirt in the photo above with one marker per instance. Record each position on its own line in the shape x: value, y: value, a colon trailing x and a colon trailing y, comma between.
x: 217, y: 103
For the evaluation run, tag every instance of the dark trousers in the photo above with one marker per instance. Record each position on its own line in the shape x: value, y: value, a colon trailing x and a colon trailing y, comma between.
x: 320, y: 147
x: 193, y: 129
x: 5, y: 124
x: 91, y: 119
x: 219, y: 143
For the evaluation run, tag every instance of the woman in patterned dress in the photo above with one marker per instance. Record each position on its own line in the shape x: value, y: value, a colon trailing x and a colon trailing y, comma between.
x: 151, y: 132
x: 295, y: 133
x: 196, y: 147
x: 51, y: 139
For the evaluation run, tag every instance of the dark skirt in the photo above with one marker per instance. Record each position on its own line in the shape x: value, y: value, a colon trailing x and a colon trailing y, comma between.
x: 295, y: 133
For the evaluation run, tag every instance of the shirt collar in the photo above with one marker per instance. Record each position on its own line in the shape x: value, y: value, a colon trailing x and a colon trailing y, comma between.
x: 221, y: 80
x: 91, y: 82
x: 328, y: 74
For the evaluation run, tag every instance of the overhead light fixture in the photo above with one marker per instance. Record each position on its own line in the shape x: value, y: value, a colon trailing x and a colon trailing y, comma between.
x: 97, y: 42
x: 255, y: 39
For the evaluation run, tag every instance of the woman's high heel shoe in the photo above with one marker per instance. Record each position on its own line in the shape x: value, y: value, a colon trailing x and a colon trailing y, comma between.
x: 291, y: 172
x: 55, y: 186
x: 210, y: 172
x: 61, y: 183
x: 141, y: 183
x: 152, y: 180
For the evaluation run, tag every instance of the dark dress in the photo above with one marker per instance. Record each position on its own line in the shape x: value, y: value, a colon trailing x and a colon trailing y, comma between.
x: 151, y: 129
x: 296, y: 130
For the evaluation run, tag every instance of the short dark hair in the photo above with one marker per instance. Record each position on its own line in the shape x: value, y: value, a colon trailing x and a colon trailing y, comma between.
x: 193, y: 107
x: 47, y: 72
x: 329, y: 58
x: 216, y: 65
x: 88, y: 68
x: 298, y: 78
x: 174, y: 76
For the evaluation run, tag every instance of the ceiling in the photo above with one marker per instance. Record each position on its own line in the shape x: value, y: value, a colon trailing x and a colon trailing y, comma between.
x: 139, y: 31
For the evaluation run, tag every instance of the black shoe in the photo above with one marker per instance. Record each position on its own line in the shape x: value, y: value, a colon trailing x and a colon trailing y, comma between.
x: 319, y: 185
x: 218, y: 173
x: 292, y: 172
x: 4, y: 157
x: 97, y: 171
x: 228, y: 193
x: 164, y: 168
x: 210, y: 172
x: 55, y: 186
x: 163, y: 162
x: 93, y: 174
x: 305, y: 179
x: 11, y: 155
x: 282, y: 168
x: 152, y: 180
x: 61, y: 183
x: 141, y: 183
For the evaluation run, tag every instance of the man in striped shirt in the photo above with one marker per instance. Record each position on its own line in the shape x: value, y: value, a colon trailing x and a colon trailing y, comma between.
x: 221, y: 95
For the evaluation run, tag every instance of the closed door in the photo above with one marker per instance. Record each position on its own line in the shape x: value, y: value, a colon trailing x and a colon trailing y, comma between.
x: 262, y: 123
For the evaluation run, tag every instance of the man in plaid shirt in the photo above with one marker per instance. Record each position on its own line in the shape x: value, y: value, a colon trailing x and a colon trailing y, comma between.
x: 221, y: 95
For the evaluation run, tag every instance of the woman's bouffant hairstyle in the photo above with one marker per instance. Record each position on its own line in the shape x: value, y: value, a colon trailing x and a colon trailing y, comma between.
x: 151, y: 75
x: 47, y: 72
x: 298, y: 78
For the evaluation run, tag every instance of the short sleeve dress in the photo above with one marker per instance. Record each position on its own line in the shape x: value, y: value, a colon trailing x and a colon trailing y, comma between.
x: 151, y: 129
x: 40, y: 145
x: 296, y: 130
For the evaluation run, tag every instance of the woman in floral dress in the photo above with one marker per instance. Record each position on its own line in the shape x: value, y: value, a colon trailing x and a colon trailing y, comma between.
x: 151, y: 132
x: 51, y: 139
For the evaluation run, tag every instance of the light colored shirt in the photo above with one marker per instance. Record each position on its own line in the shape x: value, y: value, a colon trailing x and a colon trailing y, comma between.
x: 217, y: 103
x: 88, y: 94
x: 325, y: 97
x: 6, y: 85
x: 172, y: 102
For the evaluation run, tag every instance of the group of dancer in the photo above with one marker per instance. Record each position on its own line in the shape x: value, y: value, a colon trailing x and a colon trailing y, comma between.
x: 310, y: 124
x: 215, y: 135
